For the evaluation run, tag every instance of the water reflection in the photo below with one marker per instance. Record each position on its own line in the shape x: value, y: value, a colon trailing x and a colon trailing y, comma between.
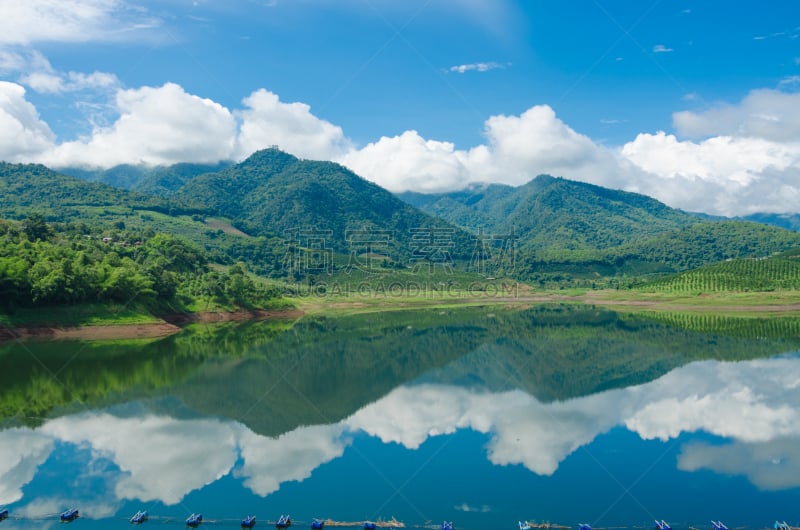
x: 752, y: 408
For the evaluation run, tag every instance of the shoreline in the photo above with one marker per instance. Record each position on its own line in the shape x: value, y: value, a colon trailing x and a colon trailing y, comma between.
x: 173, y: 323
x: 168, y: 325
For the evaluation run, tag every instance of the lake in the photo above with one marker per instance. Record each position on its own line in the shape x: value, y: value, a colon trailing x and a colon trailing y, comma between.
x: 484, y: 416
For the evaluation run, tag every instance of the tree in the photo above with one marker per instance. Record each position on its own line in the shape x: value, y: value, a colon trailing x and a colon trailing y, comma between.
x: 36, y: 228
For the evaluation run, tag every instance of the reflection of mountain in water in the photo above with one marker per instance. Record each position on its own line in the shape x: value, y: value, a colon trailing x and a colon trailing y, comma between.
x: 275, y: 376
x: 324, y: 369
x: 754, y: 406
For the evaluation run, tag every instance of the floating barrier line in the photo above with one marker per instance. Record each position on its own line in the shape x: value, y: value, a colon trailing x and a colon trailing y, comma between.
x: 391, y: 523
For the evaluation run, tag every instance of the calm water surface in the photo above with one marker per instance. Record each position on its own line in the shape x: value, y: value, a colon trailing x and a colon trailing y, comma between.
x: 483, y: 416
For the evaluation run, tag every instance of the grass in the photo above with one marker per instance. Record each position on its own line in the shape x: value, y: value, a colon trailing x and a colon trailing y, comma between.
x: 80, y: 315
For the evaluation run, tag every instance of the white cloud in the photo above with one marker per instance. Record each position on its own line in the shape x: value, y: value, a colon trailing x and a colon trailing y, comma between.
x: 789, y: 80
x: 11, y: 61
x: 518, y: 149
x: 23, y: 135
x: 157, y: 125
x: 737, y: 158
x: 476, y: 67
x: 267, y: 121
x: 70, y: 21
x: 724, y: 174
x: 38, y: 74
x: 660, y: 48
x: 48, y: 82
x: 409, y: 162
x: 768, y: 114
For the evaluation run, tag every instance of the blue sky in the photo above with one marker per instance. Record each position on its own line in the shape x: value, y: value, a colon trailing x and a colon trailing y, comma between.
x: 694, y: 102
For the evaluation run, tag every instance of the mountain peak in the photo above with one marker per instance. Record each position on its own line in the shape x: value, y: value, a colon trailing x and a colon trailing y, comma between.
x: 270, y: 159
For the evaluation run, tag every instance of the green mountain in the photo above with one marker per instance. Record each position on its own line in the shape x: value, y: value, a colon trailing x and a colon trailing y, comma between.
x: 153, y: 180
x: 782, y: 220
x: 550, y: 213
x: 274, y: 192
x: 570, y: 230
x: 27, y: 187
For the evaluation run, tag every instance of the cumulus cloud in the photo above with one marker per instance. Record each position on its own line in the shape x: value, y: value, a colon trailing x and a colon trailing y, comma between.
x: 23, y: 135
x: 70, y: 21
x: 157, y: 125
x: 518, y: 149
x: 267, y: 121
x: 409, y: 162
x: 732, y: 159
x: 765, y: 114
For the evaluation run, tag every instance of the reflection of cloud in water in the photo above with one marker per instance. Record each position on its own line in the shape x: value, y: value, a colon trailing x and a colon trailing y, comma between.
x: 23, y: 452
x: 293, y: 456
x: 772, y: 465
x: 755, y: 403
x: 184, y: 455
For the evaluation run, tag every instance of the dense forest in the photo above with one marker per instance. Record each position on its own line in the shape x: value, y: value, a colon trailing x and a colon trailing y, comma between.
x: 73, y: 263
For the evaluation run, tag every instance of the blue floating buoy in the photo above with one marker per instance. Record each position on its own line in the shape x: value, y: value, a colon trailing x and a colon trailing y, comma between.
x: 194, y: 520
x: 69, y: 515
x: 249, y: 522
x: 3, y: 514
x: 584, y: 526
x: 662, y: 525
x: 447, y: 526
x: 139, y: 517
x: 718, y: 525
x: 369, y: 525
x: 317, y: 524
x: 284, y: 521
x: 524, y: 526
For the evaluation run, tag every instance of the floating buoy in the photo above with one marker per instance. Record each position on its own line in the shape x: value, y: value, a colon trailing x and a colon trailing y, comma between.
x: 139, y: 517
x: 3, y: 514
x: 194, y: 520
x: 317, y: 524
x: 447, y: 526
x: 584, y: 526
x: 284, y: 521
x: 524, y: 526
x: 662, y: 525
x: 69, y: 515
x: 249, y: 522
x: 369, y: 525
